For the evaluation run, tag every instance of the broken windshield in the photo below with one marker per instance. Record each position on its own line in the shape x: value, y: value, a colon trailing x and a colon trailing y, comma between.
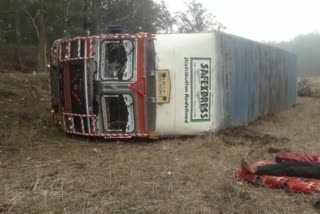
x: 117, y: 60
x: 118, y: 113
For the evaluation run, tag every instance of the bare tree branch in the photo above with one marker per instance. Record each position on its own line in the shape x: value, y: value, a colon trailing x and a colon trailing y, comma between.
x: 63, y: 17
x: 32, y: 19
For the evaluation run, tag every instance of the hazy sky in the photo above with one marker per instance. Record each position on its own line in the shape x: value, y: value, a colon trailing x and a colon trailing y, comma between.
x: 262, y: 20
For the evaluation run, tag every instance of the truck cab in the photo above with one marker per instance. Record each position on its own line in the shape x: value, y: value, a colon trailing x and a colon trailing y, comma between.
x: 104, y: 85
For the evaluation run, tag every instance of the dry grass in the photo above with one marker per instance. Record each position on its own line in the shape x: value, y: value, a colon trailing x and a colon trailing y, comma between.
x: 45, y: 171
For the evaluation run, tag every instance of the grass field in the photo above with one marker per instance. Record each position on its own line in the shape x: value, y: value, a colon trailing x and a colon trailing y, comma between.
x: 42, y: 170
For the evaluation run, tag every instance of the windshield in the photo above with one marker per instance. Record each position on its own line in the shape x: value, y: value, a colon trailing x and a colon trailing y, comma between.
x: 117, y: 60
x: 118, y: 113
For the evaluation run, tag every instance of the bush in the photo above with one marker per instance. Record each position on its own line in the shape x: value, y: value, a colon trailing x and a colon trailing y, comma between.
x: 305, y: 89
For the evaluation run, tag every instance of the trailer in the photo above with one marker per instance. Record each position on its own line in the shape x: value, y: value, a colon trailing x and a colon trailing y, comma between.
x: 118, y: 85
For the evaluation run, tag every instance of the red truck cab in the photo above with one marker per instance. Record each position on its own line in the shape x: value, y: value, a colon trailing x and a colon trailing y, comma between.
x: 103, y: 85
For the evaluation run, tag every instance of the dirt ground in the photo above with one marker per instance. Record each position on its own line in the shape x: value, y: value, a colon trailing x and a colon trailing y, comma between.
x: 42, y: 170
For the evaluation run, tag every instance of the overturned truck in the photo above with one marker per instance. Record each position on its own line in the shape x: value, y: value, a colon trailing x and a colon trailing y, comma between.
x: 144, y: 85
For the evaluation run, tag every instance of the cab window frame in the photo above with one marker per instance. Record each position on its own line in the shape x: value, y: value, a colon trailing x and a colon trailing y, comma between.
x: 131, y: 115
x: 132, y: 64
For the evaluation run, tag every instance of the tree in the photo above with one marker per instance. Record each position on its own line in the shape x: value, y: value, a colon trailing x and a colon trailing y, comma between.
x: 196, y: 19
x: 36, y: 11
x: 17, y: 49
x: 6, y: 19
x: 10, y: 25
x: 137, y: 15
x: 164, y: 21
x: 45, y: 21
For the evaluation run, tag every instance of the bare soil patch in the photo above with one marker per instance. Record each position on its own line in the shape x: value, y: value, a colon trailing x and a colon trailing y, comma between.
x: 242, y: 135
x: 43, y: 170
